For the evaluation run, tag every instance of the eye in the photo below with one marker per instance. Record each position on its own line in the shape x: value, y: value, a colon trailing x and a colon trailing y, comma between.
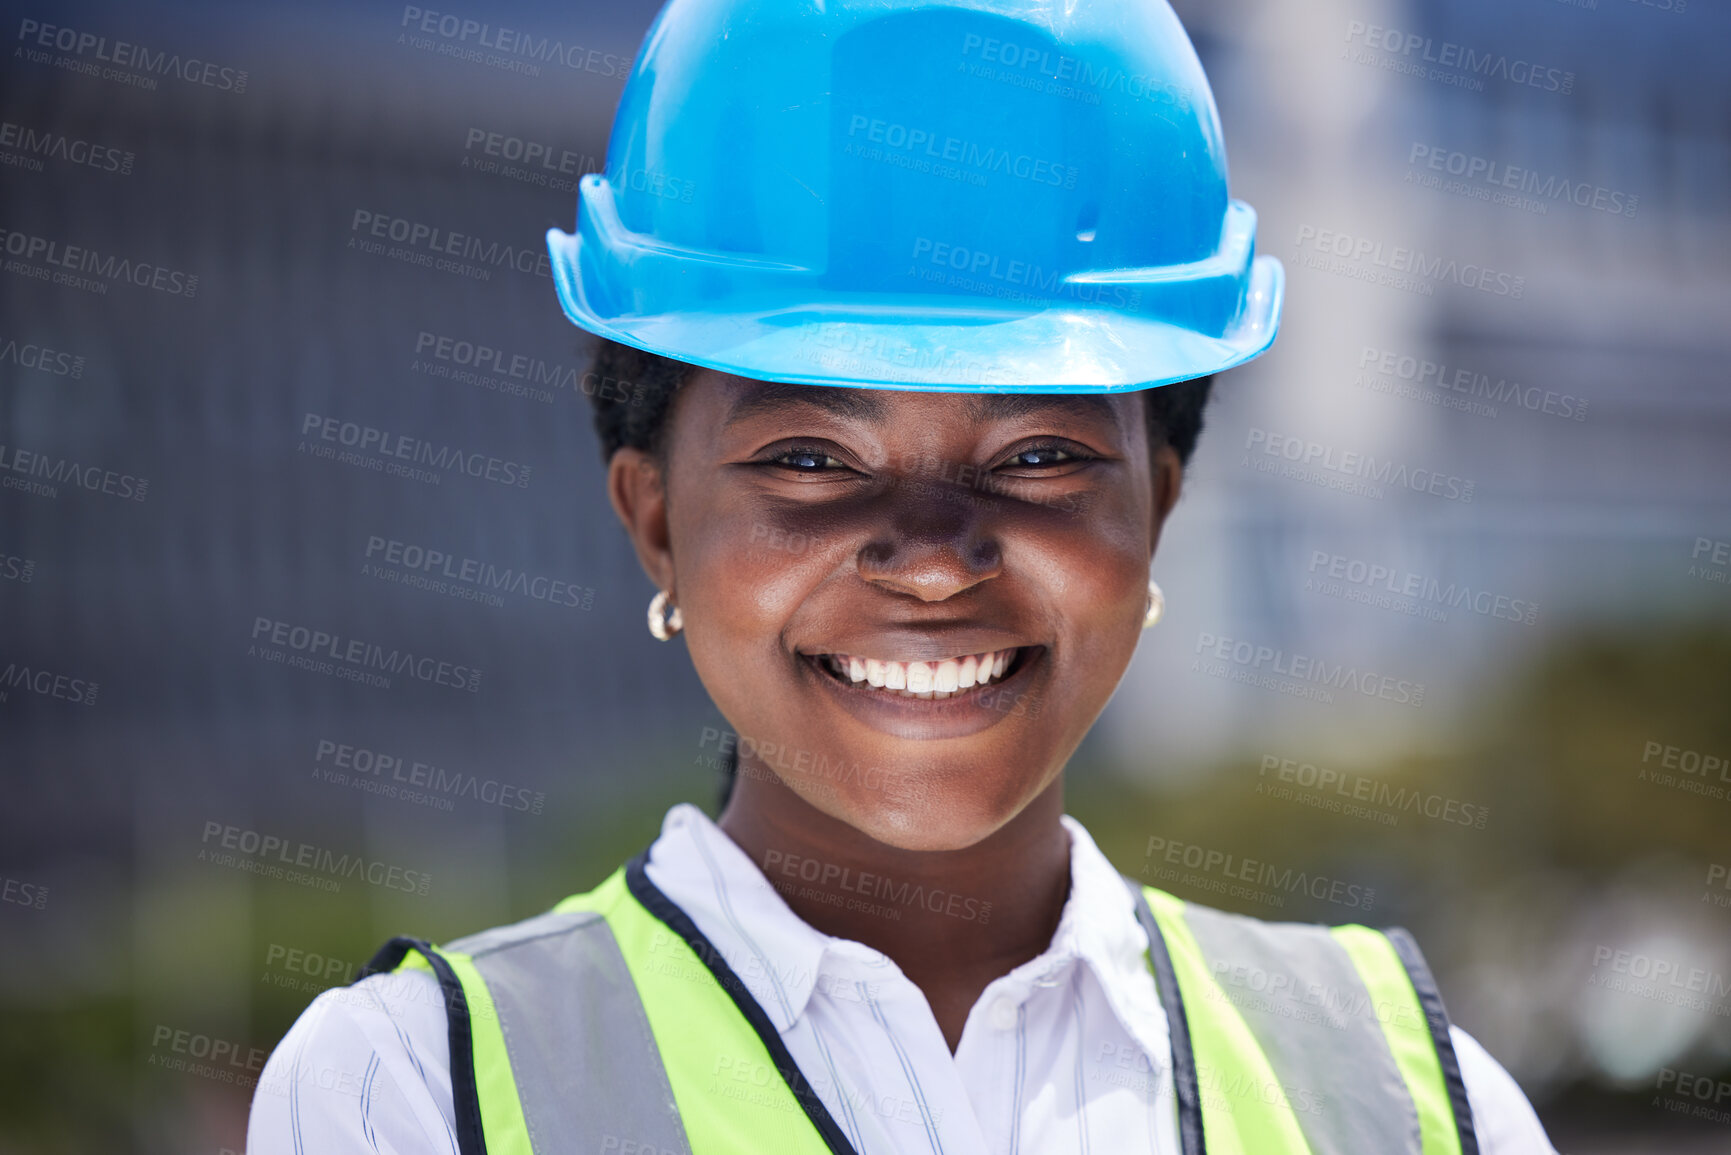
x: 1045, y: 456
x: 805, y: 459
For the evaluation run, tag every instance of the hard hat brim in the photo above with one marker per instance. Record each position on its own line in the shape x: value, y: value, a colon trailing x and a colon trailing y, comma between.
x: 903, y: 342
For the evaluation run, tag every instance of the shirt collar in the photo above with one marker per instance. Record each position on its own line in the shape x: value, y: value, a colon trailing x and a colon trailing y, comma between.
x: 779, y: 957
x: 1099, y: 926
x: 775, y: 954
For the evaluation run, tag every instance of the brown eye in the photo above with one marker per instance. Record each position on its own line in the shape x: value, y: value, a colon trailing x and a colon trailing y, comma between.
x: 1049, y: 455
x: 1046, y: 456
x: 805, y: 460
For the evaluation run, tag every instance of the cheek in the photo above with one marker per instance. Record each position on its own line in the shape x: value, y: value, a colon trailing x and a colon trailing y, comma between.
x: 759, y: 561
x: 749, y: 574
x: 743, y: 580
x: 1091, y: 567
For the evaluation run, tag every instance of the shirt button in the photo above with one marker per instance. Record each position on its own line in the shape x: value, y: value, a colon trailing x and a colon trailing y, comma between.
x: 1004, y: 1014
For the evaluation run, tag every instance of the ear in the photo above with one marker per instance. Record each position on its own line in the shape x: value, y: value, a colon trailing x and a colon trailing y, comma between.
x: 639, y: 496
x: 1168, y: 480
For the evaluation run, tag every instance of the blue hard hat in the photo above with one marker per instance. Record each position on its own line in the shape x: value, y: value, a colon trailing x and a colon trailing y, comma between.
x: 953, y: 195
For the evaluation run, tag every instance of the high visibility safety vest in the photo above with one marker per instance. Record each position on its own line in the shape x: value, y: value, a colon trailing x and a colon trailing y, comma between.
x: 611, y: 1024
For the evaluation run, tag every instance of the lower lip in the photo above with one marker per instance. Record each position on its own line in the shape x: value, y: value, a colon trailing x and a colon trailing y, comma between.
x: 962, y: 713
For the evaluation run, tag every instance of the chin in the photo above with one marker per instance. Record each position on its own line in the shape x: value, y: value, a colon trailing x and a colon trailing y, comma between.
x: 919, y: 816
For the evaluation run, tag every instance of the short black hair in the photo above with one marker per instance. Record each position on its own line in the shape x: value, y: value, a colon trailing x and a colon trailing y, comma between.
x: 633, y: 392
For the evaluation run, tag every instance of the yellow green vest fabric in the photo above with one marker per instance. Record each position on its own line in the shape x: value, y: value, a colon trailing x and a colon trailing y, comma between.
x: 611, y: 1024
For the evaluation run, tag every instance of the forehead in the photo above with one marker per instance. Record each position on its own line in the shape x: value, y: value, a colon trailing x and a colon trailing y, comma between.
x: 742, y: 399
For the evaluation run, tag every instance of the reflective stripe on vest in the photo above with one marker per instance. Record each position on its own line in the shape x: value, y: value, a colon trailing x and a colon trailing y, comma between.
x: 1303, y: 1038
x: 611, y: 1024
x: 602, y: 1026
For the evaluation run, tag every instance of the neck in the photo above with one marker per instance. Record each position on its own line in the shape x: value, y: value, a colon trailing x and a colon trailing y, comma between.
x: 952, y: 920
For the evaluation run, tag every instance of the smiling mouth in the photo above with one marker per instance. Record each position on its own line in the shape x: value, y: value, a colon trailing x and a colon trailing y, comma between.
x: 940, y: 679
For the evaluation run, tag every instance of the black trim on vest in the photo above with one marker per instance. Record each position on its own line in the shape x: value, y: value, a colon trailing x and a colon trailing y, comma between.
x: 465, y: 1095
x: 1430, y: 999
x: 1184, y: 1080
x: 665, y: 909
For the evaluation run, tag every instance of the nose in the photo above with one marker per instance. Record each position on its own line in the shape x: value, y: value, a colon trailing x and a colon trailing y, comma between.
x: 935, y: 546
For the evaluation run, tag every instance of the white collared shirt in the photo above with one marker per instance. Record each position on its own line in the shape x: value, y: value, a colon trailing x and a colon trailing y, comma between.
x: 1068, y: 1054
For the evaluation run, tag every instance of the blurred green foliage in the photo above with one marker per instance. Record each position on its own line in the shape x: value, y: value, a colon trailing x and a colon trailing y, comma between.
x: 1555, y: 752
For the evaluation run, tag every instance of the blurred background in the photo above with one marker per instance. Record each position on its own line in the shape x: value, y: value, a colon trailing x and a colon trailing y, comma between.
x: 1507, y: 237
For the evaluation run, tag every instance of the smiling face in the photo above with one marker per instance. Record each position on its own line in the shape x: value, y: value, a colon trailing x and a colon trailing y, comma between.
x: 821, y: 540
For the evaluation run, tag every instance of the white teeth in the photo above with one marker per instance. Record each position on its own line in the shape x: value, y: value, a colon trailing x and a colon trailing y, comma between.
x: 948, y: 673
x: 938, y: 679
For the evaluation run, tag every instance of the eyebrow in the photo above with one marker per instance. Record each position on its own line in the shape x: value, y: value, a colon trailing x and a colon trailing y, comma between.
x: 780, y: 396
x: 1003, y: 406
x: 863, y: 405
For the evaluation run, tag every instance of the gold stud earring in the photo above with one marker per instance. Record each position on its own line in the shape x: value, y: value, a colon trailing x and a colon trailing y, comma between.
x: 661, y: 623
x: 1156, y: 604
